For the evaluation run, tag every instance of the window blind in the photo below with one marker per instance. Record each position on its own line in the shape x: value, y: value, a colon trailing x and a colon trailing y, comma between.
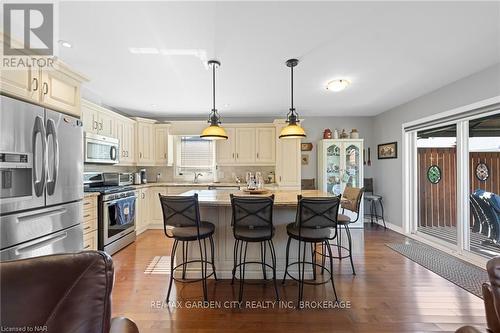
x: 196, y: 154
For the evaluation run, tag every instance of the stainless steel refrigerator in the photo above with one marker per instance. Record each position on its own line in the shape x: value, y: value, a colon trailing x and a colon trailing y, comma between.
x: 41, y: 188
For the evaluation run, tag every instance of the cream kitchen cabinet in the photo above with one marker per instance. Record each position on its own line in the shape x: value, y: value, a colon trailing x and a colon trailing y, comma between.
x: 125, y: 133
x: 247, y: 145
x: 288, y: 161
x: 226, y: 149
x: 57, y: 88
x: 142, y: 210
x: 265, y: 145
x: 155, y: 209
x: 98, y: 120
x: 163, y: 145
x: 145, y: 142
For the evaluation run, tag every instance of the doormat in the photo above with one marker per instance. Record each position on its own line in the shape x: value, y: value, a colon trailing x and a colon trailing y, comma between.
x: 465, y: 275
x: 159, y: 265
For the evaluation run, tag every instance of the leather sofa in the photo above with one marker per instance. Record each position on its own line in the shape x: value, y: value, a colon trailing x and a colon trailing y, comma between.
x: 63, y: 293
x: 491, y: 294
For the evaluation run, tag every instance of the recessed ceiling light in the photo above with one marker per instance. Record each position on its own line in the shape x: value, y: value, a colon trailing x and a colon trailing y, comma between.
x: 65, y: 44
x: 338, y: 85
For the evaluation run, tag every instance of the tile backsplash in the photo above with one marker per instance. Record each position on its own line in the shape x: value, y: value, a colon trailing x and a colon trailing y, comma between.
x: 166, y: 173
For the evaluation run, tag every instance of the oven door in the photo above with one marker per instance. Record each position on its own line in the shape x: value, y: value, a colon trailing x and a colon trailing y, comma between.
x: 101, y: 149
x: 118, y: 218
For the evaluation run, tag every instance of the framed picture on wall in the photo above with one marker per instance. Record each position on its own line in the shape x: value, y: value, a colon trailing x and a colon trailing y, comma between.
x: 387, y: 150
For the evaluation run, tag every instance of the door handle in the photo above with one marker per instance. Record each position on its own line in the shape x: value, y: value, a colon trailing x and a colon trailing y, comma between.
x: 95, y: 125
x: 35, y: 83
x: 45, y: 88
x: 140, y: 155
x: 39, y: 128
x: 41, y: 243
x: 102, y: 126
x: 112, y: 153
x: 51, y: 130
x: 257, y: 155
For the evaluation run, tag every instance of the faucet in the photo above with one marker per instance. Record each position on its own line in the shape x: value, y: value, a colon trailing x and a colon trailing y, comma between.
x: 196, y: 175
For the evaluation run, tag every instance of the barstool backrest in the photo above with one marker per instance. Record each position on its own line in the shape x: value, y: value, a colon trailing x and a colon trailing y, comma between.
x: 351, y: 198
x: 180, y: 211
x: 318, y: 212
x: 252, y: 212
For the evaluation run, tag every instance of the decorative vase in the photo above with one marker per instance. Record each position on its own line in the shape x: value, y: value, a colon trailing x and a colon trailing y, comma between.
x: 327, y: 134
x: 344, y: 134
x: 354, y: 134
x: 335, y: 134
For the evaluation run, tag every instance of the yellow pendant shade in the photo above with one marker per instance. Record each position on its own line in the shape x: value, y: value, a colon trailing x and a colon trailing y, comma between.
x: 292, y: 131
x: 214, y: 132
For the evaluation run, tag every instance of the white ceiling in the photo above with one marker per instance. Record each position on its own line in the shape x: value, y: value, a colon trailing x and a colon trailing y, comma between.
x: 391, y: 51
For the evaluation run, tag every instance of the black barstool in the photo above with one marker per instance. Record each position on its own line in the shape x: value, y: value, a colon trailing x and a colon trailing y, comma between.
x: 316, y: 223
x: 374, y: 199
x: 351, y: 200
x: 253, y: 223
x: 181, y: 222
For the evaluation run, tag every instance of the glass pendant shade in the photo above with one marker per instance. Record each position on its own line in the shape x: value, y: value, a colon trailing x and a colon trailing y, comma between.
x: 214, y: 132
x: 292, y: 131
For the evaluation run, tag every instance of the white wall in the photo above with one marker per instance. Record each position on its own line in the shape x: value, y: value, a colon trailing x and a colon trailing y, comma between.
x: 387, y: 127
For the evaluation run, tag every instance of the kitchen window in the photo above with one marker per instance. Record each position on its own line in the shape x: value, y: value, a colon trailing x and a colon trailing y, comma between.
x: 194, y: 155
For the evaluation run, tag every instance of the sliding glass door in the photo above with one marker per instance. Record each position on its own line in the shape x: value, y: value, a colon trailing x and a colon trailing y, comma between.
x: 452, y: 183
x: 484, y: 179
x: 436, y: 183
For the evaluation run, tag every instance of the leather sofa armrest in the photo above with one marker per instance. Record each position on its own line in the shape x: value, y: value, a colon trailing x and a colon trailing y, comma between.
x: 467, y: 329
x: 489, y: 308
x: 123, y: 325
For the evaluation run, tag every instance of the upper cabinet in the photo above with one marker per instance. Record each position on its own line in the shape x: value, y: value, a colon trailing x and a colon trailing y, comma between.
x: 125, y: 133
x: 98, y: 120
x: 56, y: 87
x: 247, y: 145
x: 145, y: 141
x: 226, y: 149
x: 163, y: 145
x: 289, y: 164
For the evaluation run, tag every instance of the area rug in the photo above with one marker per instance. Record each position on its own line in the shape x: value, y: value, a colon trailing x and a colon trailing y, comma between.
x: 465, y: 275
x: 159, y: 265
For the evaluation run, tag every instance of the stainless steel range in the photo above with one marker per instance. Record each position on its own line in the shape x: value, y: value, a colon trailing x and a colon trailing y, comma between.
x: 117, y: 209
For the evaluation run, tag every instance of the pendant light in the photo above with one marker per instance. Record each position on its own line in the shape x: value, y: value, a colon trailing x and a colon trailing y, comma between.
x: 214, y: 131
x: 293, y: 129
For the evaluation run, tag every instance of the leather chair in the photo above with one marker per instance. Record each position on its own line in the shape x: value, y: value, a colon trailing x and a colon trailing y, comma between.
x: 491, y: 294
x: 65, y: 293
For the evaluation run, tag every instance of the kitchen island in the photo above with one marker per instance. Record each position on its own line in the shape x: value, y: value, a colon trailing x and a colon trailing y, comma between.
x: 215, y: 207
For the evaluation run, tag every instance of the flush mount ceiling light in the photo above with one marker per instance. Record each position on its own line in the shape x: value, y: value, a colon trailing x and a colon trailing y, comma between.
x: 337, y: 85
x: 65, y: 44
x: 293, y: 129
x: 214, y: 131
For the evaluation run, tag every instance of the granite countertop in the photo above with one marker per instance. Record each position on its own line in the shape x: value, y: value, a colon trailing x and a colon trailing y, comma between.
x: 283, y: 198
x: 186, y: 184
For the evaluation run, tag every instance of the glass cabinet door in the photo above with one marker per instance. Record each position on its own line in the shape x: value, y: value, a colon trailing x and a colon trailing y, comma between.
x: 333, y: 175
x: 351, y: 175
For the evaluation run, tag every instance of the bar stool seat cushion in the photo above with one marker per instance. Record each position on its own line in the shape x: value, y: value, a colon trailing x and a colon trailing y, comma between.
x: 191, y: 233
x: 254, y: 234
x: 310, y: 234
x: 372, y: 197
x: 343, y: 219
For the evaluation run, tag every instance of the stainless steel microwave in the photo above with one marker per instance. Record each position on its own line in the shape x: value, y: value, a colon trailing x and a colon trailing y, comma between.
x: 101, y: 149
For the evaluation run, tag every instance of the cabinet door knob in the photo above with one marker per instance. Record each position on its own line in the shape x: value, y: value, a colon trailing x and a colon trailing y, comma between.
x: 257, y: 155
x: 233, y: 155
x: 140, y: 155
x: 35, y: 83
x: 95, y: 125
x: 45, y: 88
x: 165, y: 155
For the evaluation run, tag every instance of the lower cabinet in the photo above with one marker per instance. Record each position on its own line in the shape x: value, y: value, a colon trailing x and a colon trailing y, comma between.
x: 155, y: 206
x: 90, y: 223
x: 142, y: 210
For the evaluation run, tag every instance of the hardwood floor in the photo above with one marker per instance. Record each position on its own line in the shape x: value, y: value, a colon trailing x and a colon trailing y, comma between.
x: 390, y: 293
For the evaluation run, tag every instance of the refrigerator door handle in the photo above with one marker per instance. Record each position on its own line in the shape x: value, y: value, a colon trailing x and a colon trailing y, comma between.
x: 51, y: 182
x: 40, y: 243
x: 39, y: 184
